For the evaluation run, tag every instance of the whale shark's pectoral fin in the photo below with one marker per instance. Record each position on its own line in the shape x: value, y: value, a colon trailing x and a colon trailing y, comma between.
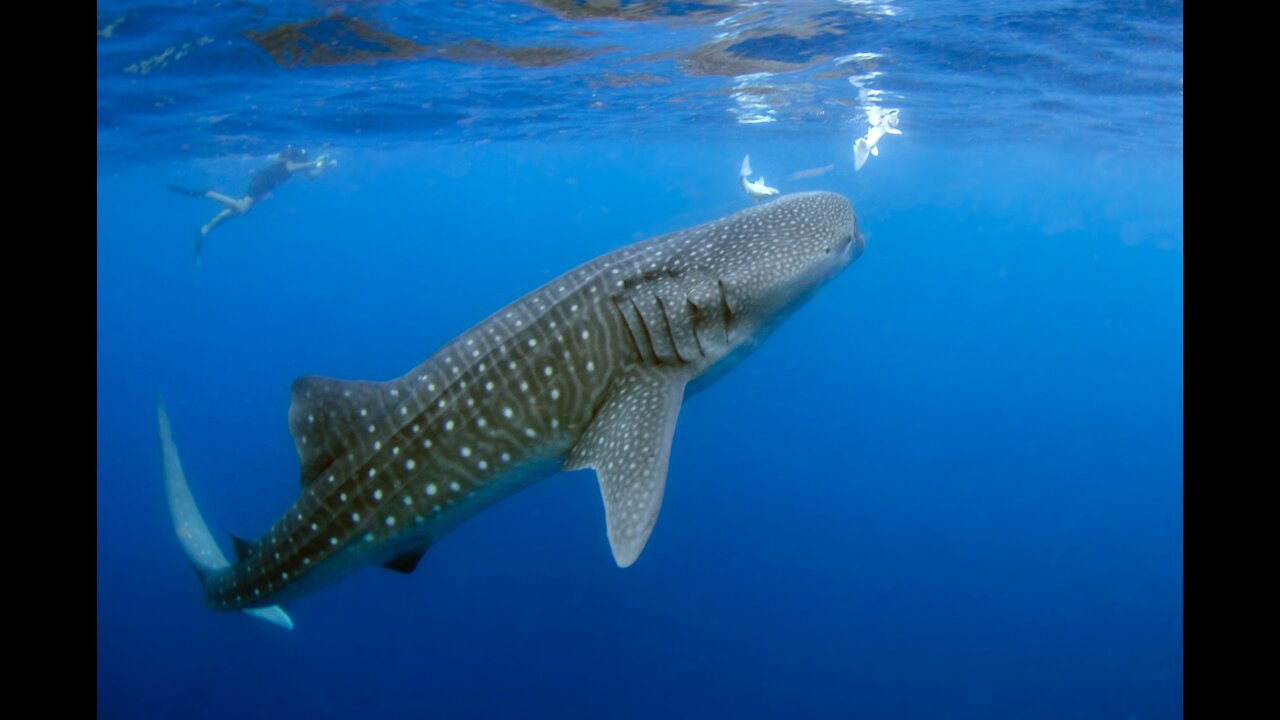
x: 629, y: 444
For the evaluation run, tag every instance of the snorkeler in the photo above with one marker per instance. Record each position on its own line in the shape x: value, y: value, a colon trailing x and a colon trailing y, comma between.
x: 261, y: 183
x: 881, y: 125
x: 755, y: 189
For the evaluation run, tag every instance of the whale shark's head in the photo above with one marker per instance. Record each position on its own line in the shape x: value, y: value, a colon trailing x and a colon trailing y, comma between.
x: 772, y: 258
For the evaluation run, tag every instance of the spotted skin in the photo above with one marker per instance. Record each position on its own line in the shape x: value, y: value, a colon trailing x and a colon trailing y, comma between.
x: 587, y: 371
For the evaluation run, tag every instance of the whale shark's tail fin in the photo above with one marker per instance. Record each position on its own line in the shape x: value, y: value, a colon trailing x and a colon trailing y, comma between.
x: 860, y: 153
x: 197, y: 541
x: 746, y: 166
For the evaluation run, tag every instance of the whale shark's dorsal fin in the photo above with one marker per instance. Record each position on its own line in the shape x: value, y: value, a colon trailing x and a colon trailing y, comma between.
x: 629, y: 445
x: 324, y: 411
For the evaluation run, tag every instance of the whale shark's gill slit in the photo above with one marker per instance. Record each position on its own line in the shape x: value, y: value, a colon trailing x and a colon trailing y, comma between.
x: 725, y: 312
x: 622, y: 305
x: 651, y: 351
x: 693, y: 313
x: 666, y: 328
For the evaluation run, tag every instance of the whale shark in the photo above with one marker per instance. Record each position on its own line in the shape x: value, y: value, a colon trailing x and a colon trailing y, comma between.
x: 587, y: 371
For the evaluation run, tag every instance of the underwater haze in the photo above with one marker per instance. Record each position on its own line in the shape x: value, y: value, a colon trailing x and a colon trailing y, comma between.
x: 950, y: 486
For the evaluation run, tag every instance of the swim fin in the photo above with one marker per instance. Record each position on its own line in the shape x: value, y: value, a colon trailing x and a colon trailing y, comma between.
x: 189, y: 192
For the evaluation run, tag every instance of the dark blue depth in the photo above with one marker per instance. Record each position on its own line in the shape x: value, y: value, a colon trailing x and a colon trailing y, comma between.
x: 948, y: 487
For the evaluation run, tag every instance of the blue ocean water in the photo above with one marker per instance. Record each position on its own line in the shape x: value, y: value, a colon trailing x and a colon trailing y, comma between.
x: 948, y: 487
